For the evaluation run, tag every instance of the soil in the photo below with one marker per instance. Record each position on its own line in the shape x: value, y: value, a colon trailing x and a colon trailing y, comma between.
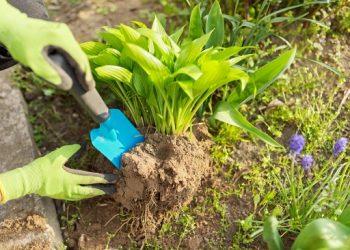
x: 161, y: 176
x: 86, y: 17
x: 13, y: 228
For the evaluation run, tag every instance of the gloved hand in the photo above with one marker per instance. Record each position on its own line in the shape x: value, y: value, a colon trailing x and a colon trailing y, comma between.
x: 47, y: 176
x: 29, y: 41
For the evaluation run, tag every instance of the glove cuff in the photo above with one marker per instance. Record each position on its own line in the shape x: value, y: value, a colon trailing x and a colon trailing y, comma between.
x: 19, y: 182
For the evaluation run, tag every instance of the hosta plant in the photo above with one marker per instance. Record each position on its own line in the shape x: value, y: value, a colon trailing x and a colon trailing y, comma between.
x: 161, y: 82
x: 164, y: 80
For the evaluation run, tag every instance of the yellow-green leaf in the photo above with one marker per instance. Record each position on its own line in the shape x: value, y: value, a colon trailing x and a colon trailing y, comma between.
x: 93, y: 48
x: 224, y: 112
x: 111, y: 72
x: 215, y: 23
x: 196, y: 26
x: 191, y: 52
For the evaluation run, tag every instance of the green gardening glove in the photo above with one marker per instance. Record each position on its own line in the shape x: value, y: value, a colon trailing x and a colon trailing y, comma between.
x: 29, y: 41
x: 47, y: 176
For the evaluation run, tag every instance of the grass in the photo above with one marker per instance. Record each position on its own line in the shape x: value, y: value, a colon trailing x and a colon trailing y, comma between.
x: 318, y: 111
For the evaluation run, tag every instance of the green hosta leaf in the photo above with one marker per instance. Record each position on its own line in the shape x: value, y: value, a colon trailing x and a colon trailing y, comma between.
x: 237, y: 59
x: 226, y: 53
x: 323, y: 234
x: 215, y: 74
x: 196, y: 26
x: 271, y: 235
x: 187, y: 87
x: 177, y: 34
x: 111, y: 39
x: 344, y: 218
x: 157, y: 39
x: 93, y: 48
x: 140, y: 81
x: 224, y: 112
x: 105, y: 58
x: 215, y: 22
x: 190, y: 70
x: 262, y: 78
x: 238, y: 74
x: 108, y: 56
x: 158, y: 27
x: 191, y: 52
x: 130, y: 34
x: 140, y: 24
x: 125, y: 60
x: 111, y: 72
x: 149, y: 63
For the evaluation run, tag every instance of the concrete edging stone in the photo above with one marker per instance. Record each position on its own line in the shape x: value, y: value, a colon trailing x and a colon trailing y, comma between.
x: 17, y: 148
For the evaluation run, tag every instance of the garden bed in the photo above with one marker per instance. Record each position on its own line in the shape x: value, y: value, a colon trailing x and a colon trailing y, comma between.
x: 155, y: 205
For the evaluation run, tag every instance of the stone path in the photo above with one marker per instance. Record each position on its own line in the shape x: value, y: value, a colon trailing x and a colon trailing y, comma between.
x: 17, y: 226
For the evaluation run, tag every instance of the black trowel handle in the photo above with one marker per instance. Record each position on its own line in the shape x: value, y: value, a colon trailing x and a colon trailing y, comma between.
x: 90, y: 99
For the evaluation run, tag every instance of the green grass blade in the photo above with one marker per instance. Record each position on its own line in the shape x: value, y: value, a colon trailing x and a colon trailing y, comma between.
x: 326, y: 66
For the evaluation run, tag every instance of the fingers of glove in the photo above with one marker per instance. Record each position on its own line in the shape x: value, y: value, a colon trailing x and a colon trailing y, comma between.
x: 42, y: 68
x: 107, y: 189
x: 85, y: 177
x: 84, y: 192
x: 79, y: 70
x: 73, y: 49
x: 61, y: 155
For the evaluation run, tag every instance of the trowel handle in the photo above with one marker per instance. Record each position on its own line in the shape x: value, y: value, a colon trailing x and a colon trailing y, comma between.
x: 90, y: 100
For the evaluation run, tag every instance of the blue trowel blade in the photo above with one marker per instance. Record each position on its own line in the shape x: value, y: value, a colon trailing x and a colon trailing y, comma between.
x: 115, y: 136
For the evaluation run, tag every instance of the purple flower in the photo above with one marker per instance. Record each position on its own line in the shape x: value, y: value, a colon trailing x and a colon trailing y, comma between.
x: 307, y: 161
x: 296, y: 143
x: 339, y: 146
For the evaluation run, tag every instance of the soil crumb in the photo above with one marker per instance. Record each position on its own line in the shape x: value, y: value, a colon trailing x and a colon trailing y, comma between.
x: 35, y: 245
x: 13, y: 229
x: 10, y: 228
x: 162, y: 175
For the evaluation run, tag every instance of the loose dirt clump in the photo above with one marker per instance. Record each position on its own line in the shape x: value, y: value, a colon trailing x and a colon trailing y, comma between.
x: 27, y: 230
x: 162, y: 175
x: 11, y: 228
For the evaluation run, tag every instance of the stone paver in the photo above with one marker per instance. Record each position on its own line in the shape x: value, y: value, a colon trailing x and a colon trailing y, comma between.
x: 17, y: 149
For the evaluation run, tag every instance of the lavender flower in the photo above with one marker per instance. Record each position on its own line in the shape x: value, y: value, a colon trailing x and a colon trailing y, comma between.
x: 307, y: 162
x: 339, y: 146
x: 297, y: 143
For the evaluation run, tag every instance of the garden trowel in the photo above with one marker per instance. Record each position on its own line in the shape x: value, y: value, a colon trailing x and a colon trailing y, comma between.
x: 116, y: 134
